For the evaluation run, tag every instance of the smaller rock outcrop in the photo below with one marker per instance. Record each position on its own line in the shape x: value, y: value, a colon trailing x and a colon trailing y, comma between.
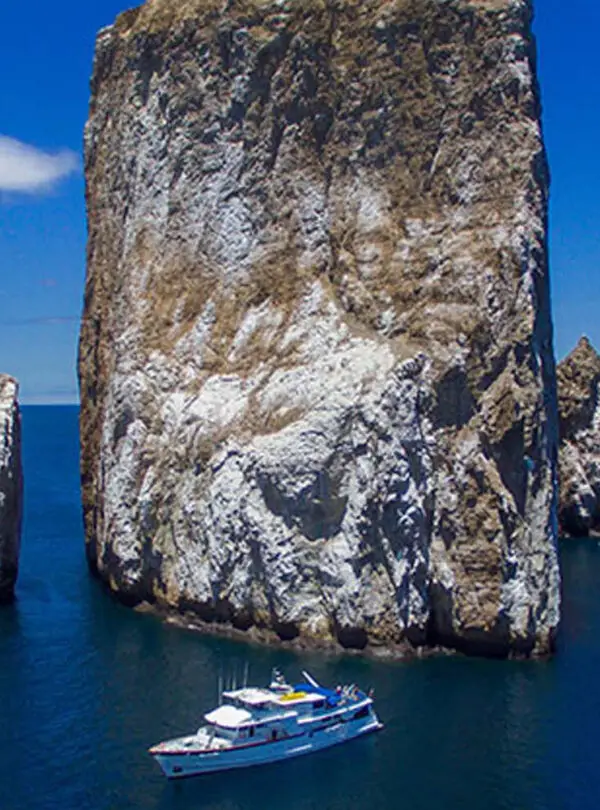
x: 579, y: 411
x: 11, y: 487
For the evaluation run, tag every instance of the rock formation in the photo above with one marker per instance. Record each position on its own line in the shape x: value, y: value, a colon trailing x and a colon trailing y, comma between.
x: 11, y: 487
x: 579, y: 411
x: 316, y: 365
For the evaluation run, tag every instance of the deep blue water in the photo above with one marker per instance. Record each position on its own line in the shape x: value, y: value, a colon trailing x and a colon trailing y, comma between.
x: 87, y: 685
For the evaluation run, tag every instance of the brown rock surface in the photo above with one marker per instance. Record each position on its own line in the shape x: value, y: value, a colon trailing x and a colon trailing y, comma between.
x: 317, y: 377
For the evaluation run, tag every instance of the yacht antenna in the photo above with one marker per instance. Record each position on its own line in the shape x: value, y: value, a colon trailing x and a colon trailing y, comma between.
x: 245, y: 674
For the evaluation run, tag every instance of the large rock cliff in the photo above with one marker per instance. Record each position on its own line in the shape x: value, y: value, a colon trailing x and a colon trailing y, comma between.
x: 579, y: 410
x: 316, y: 364
x: 11, y: 487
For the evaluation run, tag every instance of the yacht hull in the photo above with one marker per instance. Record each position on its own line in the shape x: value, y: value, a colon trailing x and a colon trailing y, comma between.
x: 181, y: 765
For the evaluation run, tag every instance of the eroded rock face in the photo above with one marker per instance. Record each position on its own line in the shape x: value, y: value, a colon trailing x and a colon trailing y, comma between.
x: 317, y: 377
x: 11, y: 487
x: 579, y: 410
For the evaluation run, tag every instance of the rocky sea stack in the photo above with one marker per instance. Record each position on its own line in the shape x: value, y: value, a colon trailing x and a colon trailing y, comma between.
x: 11, y: 487
x: 579, y: 408
x: 317, y: 376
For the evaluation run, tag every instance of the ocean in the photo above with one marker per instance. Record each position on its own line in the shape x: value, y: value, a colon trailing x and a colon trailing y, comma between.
x: 86, y: 686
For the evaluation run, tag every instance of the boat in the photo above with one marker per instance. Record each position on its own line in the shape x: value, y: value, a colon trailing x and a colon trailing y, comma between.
x: 255, y: 726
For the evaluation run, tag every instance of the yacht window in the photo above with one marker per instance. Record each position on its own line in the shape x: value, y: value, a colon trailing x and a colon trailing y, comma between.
x: 319, y: 704
x: 251, y: 731
x: 364, y: 712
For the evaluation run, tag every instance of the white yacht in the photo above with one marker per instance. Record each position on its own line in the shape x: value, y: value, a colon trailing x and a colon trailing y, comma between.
x: 254, y: 726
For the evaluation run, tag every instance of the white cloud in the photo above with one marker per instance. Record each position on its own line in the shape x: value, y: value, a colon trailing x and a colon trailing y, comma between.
x: 25, y: 168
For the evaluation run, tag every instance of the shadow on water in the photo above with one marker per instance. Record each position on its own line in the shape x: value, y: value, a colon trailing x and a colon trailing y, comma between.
x: 86, y: 686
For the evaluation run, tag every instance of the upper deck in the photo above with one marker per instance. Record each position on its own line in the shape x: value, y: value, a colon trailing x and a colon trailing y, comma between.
x: 302, y: 700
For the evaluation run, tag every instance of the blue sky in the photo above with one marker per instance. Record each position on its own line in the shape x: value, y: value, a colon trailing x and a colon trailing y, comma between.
x: 46, y: 54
